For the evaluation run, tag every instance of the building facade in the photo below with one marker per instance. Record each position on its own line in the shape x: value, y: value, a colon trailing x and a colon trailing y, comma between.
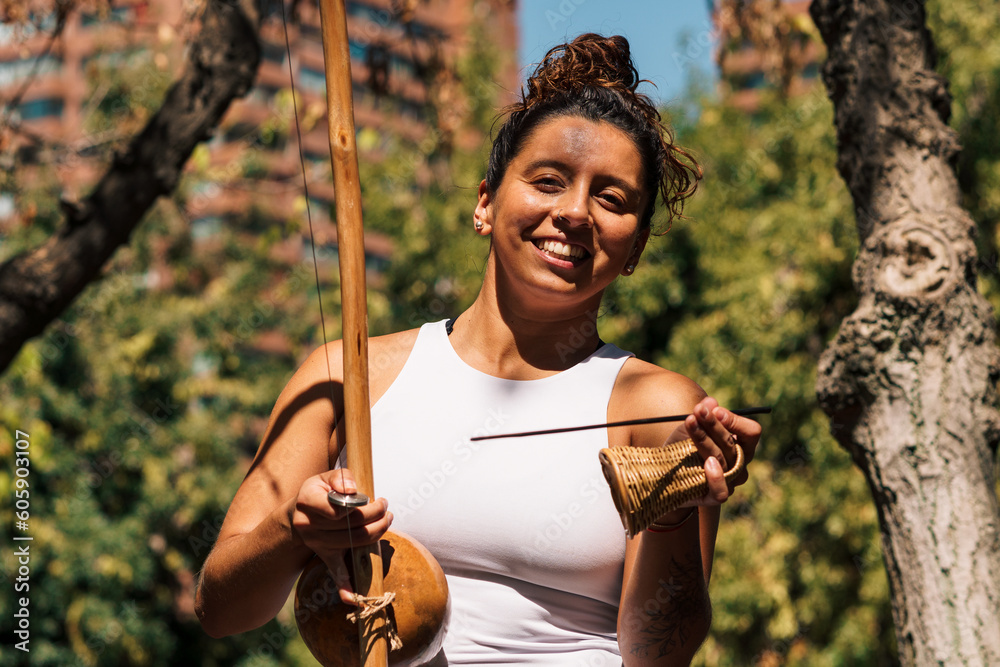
x: 401, y: 52
x: 769, y: 45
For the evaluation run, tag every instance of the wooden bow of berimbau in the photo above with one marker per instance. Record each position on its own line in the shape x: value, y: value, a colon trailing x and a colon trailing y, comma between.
x: 400, y: 589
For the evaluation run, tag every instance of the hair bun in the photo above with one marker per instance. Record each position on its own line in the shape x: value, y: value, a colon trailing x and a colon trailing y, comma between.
x: 590, y: 60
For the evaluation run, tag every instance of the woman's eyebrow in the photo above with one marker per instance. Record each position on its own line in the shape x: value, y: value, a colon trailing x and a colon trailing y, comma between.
x: 632, y: 191
x: 542, y: 163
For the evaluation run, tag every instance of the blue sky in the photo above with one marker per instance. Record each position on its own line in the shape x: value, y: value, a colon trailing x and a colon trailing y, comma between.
x: 669, y: 38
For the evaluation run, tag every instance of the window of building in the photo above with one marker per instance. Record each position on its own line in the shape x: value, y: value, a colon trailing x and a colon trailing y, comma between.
x: 376, y: 263
x: 325, y: 252
x: 410, y: 109
x: 748, y: 80
x: 7, y: 206
x: 403, y: 66
x: 358, y: 50
x: 273, y: 53
x: 367, y: 12
x: 15, y: 71
x: 316, y: 156
x: 206, y: 228
x: 270, y: 7
x: 320, y: 207
x: 14, y: 32
x: 124, y: 14
x: 262, y: 94
x: 424, y: 31
x: 312, y: 32
x: 42, y: 108
x: 312, y: 79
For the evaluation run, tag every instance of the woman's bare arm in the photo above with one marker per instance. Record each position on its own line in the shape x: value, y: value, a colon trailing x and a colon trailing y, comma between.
x: 665, y: 612
x: 280, y: 516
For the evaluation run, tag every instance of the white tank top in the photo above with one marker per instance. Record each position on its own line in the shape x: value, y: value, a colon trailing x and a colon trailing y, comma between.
x: 524, y: 528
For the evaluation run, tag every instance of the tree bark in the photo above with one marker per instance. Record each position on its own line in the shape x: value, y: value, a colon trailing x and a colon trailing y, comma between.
x: 38, y: 285
x: 910, y: 380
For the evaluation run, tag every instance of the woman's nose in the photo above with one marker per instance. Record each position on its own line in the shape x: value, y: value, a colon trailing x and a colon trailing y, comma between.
x: 573, y: 208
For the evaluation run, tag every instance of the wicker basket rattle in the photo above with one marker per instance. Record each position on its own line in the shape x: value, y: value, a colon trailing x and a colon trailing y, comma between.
x: 647, y: 482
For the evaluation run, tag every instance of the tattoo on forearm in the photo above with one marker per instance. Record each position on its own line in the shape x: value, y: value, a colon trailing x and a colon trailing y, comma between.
x: 666, y: 619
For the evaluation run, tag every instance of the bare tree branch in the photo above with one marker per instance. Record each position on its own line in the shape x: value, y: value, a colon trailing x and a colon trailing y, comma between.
x: 38, y: 285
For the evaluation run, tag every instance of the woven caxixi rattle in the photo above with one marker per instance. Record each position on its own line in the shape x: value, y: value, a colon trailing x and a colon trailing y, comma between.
x: 647, y: 482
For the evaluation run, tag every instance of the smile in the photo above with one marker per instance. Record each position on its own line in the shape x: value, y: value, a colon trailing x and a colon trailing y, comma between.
x: 561, y: 251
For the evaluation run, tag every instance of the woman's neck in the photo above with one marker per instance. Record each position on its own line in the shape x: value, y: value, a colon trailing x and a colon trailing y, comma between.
x: 509, y: 338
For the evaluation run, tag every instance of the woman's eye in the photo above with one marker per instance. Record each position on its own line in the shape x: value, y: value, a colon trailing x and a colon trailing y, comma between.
x: 546, y: 180
x: 613, y: 199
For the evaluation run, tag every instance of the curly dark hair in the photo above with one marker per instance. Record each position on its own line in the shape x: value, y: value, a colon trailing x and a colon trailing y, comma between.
x: 593, y: 77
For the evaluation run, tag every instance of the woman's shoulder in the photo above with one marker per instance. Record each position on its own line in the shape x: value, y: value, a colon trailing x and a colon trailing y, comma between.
x: 384, y: 350
x: 386, y: 356
x: 640, y: 379
x: 646, y: 390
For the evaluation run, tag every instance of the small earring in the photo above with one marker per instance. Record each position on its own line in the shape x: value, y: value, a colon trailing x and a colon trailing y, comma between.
x: 479, y: 225
x: 630, y: 267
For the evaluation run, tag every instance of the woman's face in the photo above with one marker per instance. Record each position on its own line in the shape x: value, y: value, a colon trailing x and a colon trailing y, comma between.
x: 565, y: 218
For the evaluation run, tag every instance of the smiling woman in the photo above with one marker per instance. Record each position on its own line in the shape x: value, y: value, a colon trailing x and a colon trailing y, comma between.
x: 539, y: 568
x: 566, y: 216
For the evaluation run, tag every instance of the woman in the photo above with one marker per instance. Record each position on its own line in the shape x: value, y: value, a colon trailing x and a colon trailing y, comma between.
x: 538, y: 566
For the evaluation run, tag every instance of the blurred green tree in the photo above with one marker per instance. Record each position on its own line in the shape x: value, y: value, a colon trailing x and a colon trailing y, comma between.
x: 742, y: 297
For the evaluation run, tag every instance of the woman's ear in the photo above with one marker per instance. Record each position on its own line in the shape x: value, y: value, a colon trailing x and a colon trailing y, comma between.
x: 633, y: 258
x: 483, y: 217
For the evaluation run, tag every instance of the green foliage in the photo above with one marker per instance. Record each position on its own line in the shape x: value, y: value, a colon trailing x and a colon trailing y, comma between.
x: 125, y: 88
x: 742, y: 297
x: 144, y: 406
x: 969, y: 57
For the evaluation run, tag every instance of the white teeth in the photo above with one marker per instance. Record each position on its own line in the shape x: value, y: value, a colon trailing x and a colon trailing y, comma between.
x: 562, y: 250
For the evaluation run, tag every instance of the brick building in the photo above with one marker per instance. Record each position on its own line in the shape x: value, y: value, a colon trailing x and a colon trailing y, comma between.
x: 745, y: 70
x: 393, y: 44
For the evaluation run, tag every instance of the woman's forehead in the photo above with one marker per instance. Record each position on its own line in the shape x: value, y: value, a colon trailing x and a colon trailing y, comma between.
x: 577, y: 128
x: 574, y: 137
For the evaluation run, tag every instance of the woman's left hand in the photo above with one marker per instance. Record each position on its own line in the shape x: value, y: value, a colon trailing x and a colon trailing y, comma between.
x: 716, y: 431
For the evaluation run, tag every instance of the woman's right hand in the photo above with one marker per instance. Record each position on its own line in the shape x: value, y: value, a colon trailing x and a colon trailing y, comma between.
x: 329, y: 530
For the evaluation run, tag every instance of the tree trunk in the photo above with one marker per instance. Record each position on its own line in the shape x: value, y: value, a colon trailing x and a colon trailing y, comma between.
x: 36, y: 286
x: 910, y: 381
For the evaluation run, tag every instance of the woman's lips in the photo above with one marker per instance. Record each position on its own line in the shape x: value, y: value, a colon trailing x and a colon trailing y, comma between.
x: 561, y: 253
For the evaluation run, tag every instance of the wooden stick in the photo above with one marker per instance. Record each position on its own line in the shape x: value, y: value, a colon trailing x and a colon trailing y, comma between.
x: 351, y: 251
x: 628, y: 422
